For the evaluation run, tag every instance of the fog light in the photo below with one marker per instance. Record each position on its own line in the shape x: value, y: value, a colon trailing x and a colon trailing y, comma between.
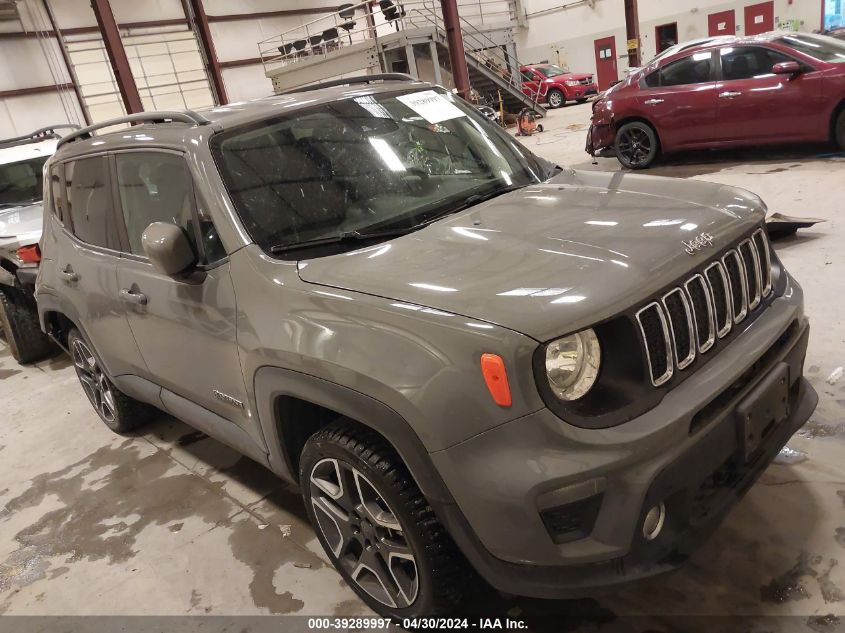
x: 653, y: 523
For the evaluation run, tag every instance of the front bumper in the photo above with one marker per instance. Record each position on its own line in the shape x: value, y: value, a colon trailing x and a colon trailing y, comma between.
x: 502, y: 479
x: 600, y: 138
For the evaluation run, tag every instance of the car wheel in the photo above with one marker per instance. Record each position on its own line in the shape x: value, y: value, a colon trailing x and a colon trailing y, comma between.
x: 581, y: 100
x: 555, y: 98
x: 376, y: 526
x: 636, y: 145
x: 118, y: 411
x: 19, y: 322
x: 840, y: 130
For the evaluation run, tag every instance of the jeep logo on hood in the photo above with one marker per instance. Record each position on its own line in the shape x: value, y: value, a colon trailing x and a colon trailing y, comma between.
x: 697, y: 243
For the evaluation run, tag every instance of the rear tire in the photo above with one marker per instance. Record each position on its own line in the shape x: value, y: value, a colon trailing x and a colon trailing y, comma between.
x: 555, y: 98
x: 636, y: 145
x: 19, y: 322
x: 581, y: 100
x: 369, y: 514
x: 839, y: 130
x: 118, y: 411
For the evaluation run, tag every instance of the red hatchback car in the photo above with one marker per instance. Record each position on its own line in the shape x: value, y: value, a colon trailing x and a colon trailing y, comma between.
x: 555, y: 86
x: 773, y: 88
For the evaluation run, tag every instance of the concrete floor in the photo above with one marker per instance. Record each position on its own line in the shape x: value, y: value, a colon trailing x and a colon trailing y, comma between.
x: 171, y: 522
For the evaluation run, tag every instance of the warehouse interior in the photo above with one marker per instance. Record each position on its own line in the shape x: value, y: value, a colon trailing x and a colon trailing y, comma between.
x: 177, y: 519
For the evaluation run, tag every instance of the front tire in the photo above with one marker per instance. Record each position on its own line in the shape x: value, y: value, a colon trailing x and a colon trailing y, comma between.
x: 376, y: 526
x: 555, y: 98
x: 118, y: 411
x: 839, y: 130
x: 636, y: 145
x: 19, y: 322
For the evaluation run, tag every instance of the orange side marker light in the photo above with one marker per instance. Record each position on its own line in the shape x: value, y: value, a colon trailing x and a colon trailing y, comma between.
x: 493, y: 370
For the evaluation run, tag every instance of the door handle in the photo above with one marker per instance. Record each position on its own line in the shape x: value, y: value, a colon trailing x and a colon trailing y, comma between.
x: 729, y: 94
x: 652, y: 101
x: 133, y: 297
x: 68, y: 276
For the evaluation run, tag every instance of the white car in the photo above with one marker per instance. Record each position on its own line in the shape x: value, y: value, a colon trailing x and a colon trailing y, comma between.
x: 21, y: 217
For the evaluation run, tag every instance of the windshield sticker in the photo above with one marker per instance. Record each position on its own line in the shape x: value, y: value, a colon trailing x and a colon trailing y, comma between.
x: 431, y: 106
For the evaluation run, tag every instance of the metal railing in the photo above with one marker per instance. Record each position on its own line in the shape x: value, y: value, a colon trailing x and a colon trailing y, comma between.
x: 359, y: 23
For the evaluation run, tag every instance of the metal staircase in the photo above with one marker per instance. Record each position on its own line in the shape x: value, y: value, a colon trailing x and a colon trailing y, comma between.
x: 408, y: 37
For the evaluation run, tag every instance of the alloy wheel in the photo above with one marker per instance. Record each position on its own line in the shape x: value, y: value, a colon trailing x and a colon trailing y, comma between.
x: 635, y: 145
x: 94, y: 381
x: 363, y: 533
x: 555, y: 99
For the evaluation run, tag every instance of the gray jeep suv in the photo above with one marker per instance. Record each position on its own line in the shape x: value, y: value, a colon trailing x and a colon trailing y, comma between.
x: 467, y: 357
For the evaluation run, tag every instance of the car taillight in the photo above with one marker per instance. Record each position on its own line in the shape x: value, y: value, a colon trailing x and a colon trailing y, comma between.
x: 29, y: 254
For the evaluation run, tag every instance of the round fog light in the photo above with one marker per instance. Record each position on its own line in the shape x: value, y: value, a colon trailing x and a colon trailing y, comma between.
x: 653, y: 523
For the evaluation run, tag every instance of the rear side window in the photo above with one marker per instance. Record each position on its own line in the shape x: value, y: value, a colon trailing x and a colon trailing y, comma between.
x: 89, y: 202
x: 749, y: 62
x: 157, y: 187
x: 694, y: 69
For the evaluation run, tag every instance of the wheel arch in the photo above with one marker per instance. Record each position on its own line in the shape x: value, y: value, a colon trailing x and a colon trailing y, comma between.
x: 292, y: 406
x: 840, y: 107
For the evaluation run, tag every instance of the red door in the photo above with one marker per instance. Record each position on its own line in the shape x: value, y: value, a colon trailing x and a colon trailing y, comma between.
x: 721, y: 23
x: 606, y: 62
x: 759, y: 18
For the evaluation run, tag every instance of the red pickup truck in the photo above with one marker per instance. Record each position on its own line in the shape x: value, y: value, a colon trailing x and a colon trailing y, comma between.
x: 555, y: 86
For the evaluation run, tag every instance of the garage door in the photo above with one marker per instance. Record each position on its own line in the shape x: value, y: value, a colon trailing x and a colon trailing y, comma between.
x: 759, y: 18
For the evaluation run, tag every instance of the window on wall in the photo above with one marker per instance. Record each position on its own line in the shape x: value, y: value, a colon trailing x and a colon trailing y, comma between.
x: 834, y: 14
x: 167, y: 68
x: 666, y: 36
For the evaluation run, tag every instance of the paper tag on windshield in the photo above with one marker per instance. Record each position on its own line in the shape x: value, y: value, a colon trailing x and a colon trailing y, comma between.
x: 431, y: 106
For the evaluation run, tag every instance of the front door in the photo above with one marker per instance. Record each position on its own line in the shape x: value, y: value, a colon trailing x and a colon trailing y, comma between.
x: 606, y: 62
x: 721, y: 23
x: 759, y: 18
x: 755, y: 104
x: 680, y: 100
x: 87, y: 261
x: 185, y: 327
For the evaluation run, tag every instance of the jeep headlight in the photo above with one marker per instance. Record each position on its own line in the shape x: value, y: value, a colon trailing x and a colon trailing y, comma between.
x: 572, y: 364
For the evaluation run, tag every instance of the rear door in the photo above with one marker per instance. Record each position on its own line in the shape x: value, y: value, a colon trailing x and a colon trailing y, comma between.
x: 679, y: 98
x: 87, y: 262
x: 185, y: 327
x: 758, y: 105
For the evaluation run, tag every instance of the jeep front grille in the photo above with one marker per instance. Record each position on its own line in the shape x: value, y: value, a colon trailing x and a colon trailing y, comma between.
x: 691, y: 317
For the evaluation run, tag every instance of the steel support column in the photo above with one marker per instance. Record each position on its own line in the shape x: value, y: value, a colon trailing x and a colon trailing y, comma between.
x: 68, y: 64
x: 195, y: 12
x: 117, y: 56
x: 632, y: 29
x: 457, y: 55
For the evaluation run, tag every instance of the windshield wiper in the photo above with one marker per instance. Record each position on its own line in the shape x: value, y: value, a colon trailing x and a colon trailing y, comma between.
x: 474, y: 199
x: 343, y: 238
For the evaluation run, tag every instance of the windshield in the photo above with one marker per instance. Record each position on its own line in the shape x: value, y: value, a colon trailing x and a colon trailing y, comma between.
x: 550, y: 71
x: 826, y: 49
x: 365, y: 164
x: 21, y: 182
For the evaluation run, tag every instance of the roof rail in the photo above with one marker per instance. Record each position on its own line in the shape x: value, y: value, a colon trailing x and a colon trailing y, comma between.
x: 41, y: 134
x: 351, y: 81
x: 189, y: 117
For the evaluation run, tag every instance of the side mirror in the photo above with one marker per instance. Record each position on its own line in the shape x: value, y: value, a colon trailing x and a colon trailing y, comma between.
x: 786, y: 68
x: 168, y: 248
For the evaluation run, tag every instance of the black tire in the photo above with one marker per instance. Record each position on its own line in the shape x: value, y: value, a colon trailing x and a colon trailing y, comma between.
x: 636, y: 145
x: 581, y: 100
x: 839, y: 130
x: 555, y: 98
x: 351, y: 453
x: 118, y: 411
x: 19, y: 322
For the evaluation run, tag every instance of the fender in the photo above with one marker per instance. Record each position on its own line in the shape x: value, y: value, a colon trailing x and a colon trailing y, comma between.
x: 273, y: 382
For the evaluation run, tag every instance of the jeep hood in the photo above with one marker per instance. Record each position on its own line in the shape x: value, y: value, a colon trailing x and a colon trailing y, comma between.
x: 550, y: 258
x: 24, y: 222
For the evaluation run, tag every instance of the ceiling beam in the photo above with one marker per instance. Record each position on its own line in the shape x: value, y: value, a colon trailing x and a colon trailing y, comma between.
x: 34, y: 90
x: 117, y: 56
x: 195, y: 11
x: 280, y: 13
